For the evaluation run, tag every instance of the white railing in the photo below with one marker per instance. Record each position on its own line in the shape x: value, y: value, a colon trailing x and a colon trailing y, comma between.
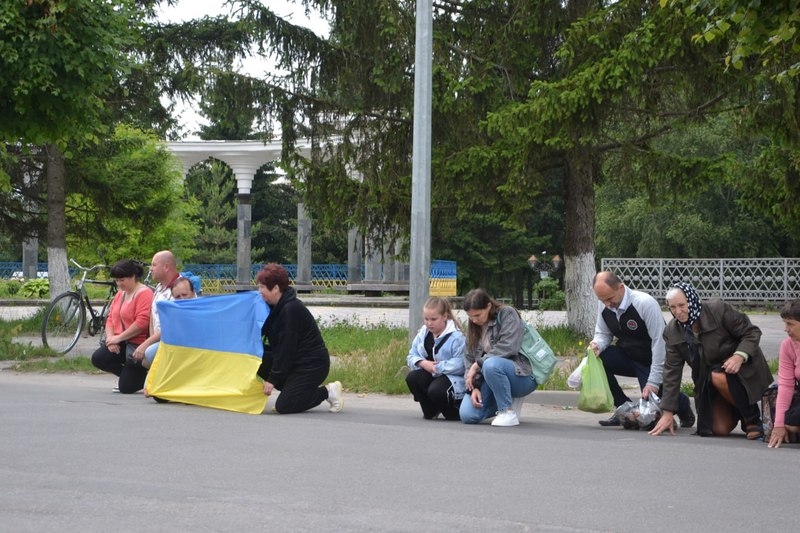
x: 742, y: 280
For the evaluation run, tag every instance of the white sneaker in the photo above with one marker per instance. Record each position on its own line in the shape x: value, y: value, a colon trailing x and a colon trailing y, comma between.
x: 335, y: 397
x: 516, y: 405
x: 505, y: 419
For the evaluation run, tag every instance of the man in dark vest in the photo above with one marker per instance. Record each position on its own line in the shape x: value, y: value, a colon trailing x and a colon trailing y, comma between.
x: 634, y: 319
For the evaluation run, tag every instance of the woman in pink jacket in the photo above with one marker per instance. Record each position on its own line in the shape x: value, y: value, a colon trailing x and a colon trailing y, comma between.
x: 127, y: 327
x: 787, y: 404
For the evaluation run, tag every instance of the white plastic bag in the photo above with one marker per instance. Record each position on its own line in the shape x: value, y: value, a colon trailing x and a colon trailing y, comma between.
x: 574, y: 379
x: 640, y: 415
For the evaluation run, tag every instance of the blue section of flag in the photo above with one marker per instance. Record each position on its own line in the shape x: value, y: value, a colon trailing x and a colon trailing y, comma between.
x: 228, y: 323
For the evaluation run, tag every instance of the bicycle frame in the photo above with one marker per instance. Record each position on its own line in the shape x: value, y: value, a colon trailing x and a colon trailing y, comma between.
x: 97, y: 321
x: 65, y: 317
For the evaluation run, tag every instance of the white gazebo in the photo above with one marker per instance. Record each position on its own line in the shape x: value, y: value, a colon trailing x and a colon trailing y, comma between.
x: 245, y: 158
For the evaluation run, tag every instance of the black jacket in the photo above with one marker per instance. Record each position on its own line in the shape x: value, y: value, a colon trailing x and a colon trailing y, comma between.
x: 292, y: 341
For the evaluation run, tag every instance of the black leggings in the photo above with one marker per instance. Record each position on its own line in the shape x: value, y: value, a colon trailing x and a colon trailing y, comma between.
x: 131, y: 375
x: 435, y: 395
x: 302, y: 391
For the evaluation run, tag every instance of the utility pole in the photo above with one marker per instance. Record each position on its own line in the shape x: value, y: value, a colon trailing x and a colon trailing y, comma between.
x: 420, y: 247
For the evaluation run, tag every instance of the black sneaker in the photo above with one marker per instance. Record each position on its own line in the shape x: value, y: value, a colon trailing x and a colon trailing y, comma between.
x: 613, y: 421
x: 687, y: 419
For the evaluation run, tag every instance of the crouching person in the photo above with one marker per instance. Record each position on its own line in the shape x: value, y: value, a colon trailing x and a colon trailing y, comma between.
x: 436, y: 360
x: 296, y: 361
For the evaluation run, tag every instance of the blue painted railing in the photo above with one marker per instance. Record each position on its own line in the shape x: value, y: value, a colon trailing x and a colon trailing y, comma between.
x: 323, y: 275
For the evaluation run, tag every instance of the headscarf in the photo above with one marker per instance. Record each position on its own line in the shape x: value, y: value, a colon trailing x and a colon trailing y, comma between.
x: 692, y: 299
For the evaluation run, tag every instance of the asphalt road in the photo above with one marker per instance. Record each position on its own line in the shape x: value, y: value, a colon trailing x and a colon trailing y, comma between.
x: 76, y: 457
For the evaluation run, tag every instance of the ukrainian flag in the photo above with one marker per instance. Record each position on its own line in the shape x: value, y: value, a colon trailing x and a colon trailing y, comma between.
x: 209, y: 352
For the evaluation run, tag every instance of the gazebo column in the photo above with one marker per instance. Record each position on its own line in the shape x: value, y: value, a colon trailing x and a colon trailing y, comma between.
x: 401, y: 269
x: 303, y: 279
x: 244, y: 223
x: 372, y: 264
x: 354, y: 251
x: 389, y: 272
x: 30, y: 258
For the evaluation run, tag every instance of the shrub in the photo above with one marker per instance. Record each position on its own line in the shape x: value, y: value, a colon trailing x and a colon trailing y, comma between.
x: 550, y: 297
x: 10, y: 287
x: 556, y: 301
x: 35, y: 288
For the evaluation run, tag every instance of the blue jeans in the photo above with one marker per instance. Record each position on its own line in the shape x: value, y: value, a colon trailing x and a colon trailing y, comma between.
x: 500, y: 386
x: 150, y: 352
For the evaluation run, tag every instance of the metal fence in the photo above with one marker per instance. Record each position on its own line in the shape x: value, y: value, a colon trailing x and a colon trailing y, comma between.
x: 218, y: 278
x: 14, y: 270
x: 740, y: 280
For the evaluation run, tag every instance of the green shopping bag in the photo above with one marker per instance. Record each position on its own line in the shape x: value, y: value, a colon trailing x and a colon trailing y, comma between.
x: 595, y: 395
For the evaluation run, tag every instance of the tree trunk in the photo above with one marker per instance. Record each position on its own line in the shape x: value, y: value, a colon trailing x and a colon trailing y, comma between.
x: 579, y: 242
x: 57, y: 271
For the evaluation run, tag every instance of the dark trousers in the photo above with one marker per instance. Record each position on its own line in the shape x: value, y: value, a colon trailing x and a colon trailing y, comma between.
x: 435, y: 395
x: 617, y: 363
x: 302, y: 390
x: 131, y: 375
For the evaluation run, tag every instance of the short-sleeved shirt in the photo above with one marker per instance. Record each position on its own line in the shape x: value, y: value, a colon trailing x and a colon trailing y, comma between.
x: 162, y: 293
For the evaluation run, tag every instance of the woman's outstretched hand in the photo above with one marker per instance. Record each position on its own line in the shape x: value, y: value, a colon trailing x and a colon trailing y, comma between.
x: 666, y: 422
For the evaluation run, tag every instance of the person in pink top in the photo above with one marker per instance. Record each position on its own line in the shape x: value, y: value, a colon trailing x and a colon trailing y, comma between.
x: 787, y: 405
x: 126, y: 328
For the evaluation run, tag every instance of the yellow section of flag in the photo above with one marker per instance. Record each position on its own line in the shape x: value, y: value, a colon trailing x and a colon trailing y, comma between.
x: 210, y: 378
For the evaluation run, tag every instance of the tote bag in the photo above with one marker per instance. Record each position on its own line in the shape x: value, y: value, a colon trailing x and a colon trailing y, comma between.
x: 538, y: 353
x: 536, y: 350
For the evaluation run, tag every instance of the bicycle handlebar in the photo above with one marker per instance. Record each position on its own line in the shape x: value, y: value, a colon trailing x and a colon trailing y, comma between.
x: 85, y: 269
x: 100, y: 282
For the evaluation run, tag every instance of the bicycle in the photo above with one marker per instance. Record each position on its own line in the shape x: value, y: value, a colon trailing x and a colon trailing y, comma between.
x: 66, y: 315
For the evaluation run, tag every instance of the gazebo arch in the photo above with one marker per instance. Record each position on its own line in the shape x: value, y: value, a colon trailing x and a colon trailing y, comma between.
x: 245, y: 158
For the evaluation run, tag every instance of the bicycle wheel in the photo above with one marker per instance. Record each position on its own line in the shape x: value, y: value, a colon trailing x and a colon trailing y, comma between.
x: 63, y: 322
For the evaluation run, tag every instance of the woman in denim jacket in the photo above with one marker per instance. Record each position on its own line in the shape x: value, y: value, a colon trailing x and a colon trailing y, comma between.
x: 436, y: 360
x: 497, y: 376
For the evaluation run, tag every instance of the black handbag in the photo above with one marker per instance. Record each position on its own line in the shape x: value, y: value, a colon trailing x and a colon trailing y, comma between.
x: 792, y: 416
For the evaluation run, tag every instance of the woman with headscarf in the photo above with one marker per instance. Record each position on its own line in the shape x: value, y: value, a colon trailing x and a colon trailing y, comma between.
x: 728, y: 367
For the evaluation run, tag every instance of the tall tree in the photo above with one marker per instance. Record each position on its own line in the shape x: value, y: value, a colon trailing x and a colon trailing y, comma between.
x: 528, y: 98
x: 762, y: 40
x: 125, y: 198
x: 625, y: 74
x: 275, y: 215
x: 352, y: 95
x: 59, y: 61
x: 212, y: 182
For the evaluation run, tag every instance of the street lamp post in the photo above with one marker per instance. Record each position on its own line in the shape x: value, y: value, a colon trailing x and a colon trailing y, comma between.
x: 420, y: 246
